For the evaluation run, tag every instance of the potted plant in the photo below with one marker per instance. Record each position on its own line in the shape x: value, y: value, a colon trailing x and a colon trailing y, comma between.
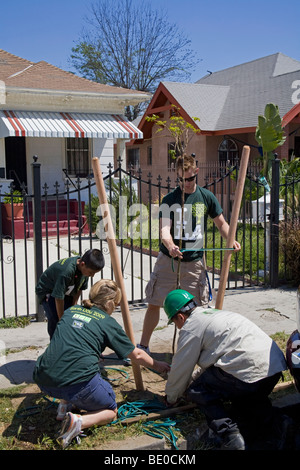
x: 13, y: 205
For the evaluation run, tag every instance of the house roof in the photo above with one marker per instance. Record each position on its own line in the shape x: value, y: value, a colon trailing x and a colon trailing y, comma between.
x: 39, y: 100
x: 18, y: 72
x: 202, y: 101
x: 252, y: 86
x: 233, y: 98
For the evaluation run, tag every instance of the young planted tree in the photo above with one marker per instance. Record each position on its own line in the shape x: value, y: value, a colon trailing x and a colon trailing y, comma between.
x: 180, y: 130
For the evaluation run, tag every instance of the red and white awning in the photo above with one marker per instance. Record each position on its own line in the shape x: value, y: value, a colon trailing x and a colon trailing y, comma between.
x: 56, y: 124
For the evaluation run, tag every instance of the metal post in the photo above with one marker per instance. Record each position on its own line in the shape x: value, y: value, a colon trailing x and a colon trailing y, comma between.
x: 274, y: 224
x: 37, y: 227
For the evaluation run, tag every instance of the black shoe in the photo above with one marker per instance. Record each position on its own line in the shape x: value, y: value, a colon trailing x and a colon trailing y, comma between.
x: 232, y: 441
x: 282, y: 431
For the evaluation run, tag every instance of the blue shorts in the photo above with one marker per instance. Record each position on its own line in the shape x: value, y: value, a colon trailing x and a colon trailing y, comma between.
x: 94, y: 395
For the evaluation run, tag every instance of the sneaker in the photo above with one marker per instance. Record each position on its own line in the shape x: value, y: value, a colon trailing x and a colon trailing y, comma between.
x: 62, y: 410
x: 127, y: 362
x: 144, y: 348
x: 71, y: 427
x: 233, y: 441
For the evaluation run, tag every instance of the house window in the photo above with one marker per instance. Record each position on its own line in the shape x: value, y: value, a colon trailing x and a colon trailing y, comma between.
x: 133, y: 158
x: 149, y: 156
x: 228, y: 151
x: 172, y: 155
x: 78, y: 156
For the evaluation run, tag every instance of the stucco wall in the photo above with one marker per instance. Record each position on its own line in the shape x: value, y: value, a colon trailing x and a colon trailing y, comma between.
x: 51, y: 156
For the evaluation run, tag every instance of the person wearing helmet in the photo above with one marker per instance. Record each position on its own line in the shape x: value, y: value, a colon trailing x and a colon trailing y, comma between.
x: 237, y: 362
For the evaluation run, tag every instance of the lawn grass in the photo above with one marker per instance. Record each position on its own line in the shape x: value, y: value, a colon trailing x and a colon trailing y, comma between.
x: 27, y: 418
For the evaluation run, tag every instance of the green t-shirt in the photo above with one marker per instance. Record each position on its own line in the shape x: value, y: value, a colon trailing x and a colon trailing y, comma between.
x: 60, y: 279
x: 197, y: 207
x: 73, y: 353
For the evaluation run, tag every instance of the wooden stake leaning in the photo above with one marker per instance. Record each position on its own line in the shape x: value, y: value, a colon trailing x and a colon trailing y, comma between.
x: 110, y: 237
x: 233, y: 225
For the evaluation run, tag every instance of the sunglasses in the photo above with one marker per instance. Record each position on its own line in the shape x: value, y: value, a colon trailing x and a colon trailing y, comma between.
x: 191, y: 178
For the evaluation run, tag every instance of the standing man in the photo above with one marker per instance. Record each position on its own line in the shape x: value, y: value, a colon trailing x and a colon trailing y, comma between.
x: 199, y: 203
x: 237, y: 362
x: 61, y: 284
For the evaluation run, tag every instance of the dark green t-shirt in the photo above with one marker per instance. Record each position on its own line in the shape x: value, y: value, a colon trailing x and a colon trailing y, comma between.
x: 197, y: 207
x: 73, y: 353
x: 60, y: 279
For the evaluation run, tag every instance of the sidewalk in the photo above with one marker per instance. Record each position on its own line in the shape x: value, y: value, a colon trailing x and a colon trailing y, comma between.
x: 273, y: 310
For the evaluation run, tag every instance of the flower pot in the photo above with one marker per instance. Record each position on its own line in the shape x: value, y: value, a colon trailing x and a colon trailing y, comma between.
x: 13, y: 210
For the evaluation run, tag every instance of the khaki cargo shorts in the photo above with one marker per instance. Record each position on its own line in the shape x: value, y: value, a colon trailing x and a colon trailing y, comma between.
x: 163, y: 280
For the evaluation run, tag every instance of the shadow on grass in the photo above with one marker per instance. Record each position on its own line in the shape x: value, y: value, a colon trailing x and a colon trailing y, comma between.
x: 33, y: 423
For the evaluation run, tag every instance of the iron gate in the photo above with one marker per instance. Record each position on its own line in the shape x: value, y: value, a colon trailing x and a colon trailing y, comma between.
x: 57, y: 224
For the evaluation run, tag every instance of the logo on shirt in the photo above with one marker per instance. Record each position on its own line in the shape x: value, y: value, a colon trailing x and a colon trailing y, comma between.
x: 77, y: 324
x: 81, y: 317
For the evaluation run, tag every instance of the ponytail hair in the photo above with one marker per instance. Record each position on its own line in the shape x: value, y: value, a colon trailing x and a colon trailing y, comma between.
x: 101, y: 292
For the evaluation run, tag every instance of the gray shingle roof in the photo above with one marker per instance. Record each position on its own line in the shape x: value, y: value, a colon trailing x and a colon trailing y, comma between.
x: 202, y: 101
x: 233, y: 98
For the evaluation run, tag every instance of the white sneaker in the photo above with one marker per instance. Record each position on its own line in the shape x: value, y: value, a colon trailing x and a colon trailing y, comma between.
x: 71, y: 427
x: 144, y: 348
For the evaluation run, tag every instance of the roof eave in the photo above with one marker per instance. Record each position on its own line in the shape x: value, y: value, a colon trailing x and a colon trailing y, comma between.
x: 142, y: 96
x: 291, y: 114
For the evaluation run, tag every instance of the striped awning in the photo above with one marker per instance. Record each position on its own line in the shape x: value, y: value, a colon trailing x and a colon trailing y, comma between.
x: 57, y: 124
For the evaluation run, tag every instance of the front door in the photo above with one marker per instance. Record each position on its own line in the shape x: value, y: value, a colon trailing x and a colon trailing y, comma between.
x: 15, y: 160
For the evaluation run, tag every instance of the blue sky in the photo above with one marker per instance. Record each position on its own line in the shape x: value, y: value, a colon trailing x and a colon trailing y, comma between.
x: 224, y: 33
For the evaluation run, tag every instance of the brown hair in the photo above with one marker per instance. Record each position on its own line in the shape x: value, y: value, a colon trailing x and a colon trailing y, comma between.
x: 185, y: 162
x: 101, y: 292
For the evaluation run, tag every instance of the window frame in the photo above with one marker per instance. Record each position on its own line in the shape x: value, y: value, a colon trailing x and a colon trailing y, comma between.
x: 171, y: 161
x: 135, y: 161
x: 84, y: 168
x: 230, y: 149
x: 149, y: 155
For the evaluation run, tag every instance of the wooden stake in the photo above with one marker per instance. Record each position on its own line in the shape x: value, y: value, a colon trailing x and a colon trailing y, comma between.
x: 233, y: 225
x: 110, y: 237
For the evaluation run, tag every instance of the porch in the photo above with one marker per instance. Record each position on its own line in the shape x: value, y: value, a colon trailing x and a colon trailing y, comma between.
x: 57, y: 216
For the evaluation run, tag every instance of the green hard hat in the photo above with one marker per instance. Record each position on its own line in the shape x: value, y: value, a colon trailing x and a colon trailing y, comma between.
x: 174, y: 302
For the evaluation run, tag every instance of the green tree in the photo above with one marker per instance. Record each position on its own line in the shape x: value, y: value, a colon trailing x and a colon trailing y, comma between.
x: 269, y: 134
x: 179, y: 129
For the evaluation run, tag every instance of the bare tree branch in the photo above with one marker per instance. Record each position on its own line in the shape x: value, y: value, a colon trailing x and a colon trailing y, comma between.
x: 131, y: 45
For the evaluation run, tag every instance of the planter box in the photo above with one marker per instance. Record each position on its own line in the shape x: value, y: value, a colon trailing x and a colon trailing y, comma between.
x: 8, y: 210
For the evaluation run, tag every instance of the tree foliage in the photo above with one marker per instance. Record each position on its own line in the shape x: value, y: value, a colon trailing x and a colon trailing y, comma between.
x: 269, y: 134
x: 129, y: 44
x: 180, y: 130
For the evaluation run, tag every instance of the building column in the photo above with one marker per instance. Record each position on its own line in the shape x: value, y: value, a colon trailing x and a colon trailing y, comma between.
x: 121, y: 152
x: 4, y: 183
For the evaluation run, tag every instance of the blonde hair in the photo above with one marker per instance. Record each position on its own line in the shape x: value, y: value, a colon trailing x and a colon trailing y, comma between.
x: 185, y: 162
x: 101, y: 292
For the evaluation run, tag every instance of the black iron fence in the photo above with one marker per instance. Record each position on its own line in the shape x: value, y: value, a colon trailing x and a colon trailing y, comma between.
x: 55, y: 224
